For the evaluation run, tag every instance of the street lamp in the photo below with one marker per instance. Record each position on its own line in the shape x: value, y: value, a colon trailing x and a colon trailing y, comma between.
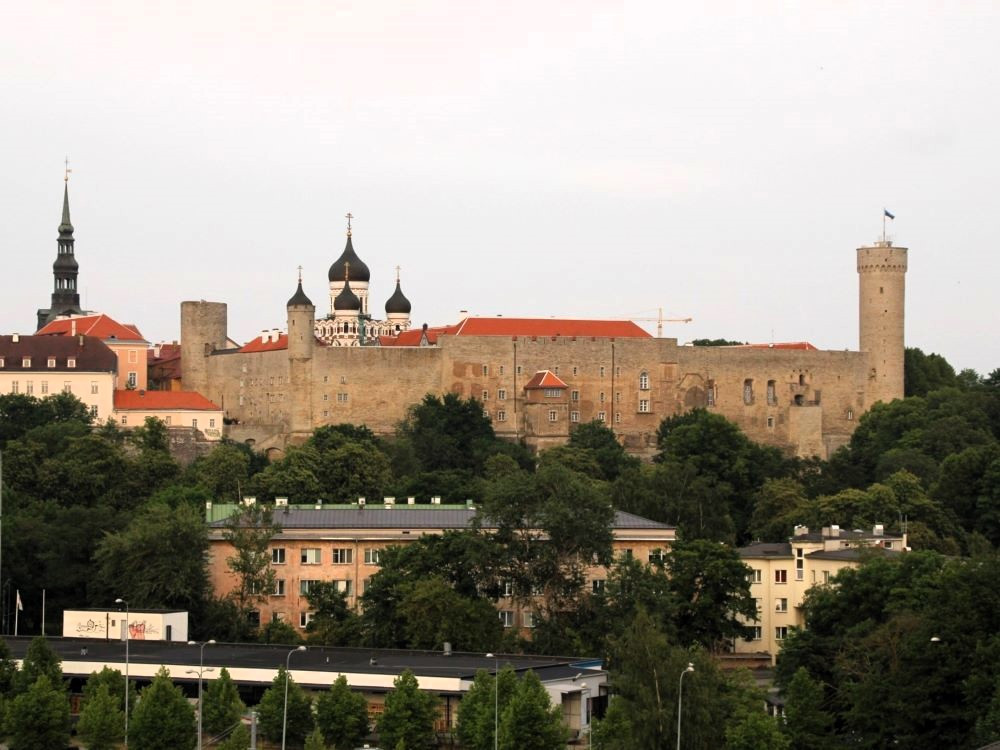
x: 496, y: 698
x: 201, y: 671
x: 680, y: 688
x: 123, y: 601
x: 284, y: 718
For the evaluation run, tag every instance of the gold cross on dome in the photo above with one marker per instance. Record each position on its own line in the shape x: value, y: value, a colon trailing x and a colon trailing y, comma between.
x: 300, y: 274
x: 349, y: 216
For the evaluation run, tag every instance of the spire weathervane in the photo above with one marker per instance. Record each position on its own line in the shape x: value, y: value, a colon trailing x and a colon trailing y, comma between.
x: 397, y: 274
x: 68, y: 170
x: 349, y: 216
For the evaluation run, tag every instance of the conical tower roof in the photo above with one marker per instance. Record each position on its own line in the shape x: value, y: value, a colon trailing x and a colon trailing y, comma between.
x: 66, y: 226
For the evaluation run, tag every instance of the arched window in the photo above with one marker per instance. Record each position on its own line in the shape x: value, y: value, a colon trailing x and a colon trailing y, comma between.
x: 748, y: 391
x: 644, y: 381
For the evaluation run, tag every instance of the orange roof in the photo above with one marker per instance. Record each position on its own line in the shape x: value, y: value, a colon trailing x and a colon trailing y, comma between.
x: 162, y: 401
x: 412, y: 337
x: 259, y: 345
x: 550, y: 327
x: 545, y: 379
x: 100, y: 326
x: 800, y: 345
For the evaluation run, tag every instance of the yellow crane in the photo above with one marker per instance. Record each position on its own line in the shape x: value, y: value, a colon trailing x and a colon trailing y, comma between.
x: 659, y: 320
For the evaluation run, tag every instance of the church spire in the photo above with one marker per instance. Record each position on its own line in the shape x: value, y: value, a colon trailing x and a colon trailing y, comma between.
x: 66, y: 226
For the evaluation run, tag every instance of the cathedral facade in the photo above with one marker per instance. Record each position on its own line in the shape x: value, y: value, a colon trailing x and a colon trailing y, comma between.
x: 347, y: 367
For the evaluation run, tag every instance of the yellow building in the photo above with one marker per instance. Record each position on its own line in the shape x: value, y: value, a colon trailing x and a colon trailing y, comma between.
x: 783, y: 572
x: 343, y: 543
x: 42, y: 366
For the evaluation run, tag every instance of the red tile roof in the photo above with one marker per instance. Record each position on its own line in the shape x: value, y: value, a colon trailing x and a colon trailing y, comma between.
x: 162, y: 401
x: 100, y: 326
x: 259, y: 345
x: 412, y: 337
x: 800, y: 345
x: 545, y: 379
x: 550, y: 327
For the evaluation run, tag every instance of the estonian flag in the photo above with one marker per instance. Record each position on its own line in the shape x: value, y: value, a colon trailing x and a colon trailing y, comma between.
x: 889, y: 215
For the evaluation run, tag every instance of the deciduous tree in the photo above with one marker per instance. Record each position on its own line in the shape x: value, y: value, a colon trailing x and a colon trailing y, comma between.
x: 342, y: 716
x: 272, y: 707
x: 39, y: 717
x: 102, y: 720
x: 222, y: 705
x: 530, y: 721
x: 163, y: 719
x: 409, y: 715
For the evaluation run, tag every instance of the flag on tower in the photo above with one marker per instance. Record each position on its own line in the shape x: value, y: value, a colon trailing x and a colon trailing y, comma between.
x: 889, y: 215
x: 20, y: 606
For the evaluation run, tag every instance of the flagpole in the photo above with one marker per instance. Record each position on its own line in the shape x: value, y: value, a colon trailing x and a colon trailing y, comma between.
x: 883, y: 226
x: 43, y: 611
x: 17, y: 610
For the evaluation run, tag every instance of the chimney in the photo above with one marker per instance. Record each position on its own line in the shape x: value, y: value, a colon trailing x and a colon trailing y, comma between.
x: 800, y: 530
x: 835, y: 530
x: 878, y: 530
x: 411, y: 500
x: 72, y: 328
x: 15, y: 338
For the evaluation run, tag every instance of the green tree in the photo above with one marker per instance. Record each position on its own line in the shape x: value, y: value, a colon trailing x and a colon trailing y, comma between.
x: 755, y: 731
x: 39, y: 660
x: 530, y: 721
x: 434, y: 614
x: 114, y: 681
x: 223, y: 472
x: 477, y: 713
x: 409, y: 715
x: 250, y: 530
x: 296, y: 476
x: 272, y: 706
x: 598, y: 440
x: 334, y: 621
x: 342, y: 716
x: 222, y: 705
x: 923, y: 373
x: 238, y: 739
x: 449, y: 432
x: 615, y: 730
x: 807, y: 724
x: 280, y: 632
x: 315, y: 740
x: 102, y: 721
x: 38, y: 718
x: 163, y: 719
x: 8, y: 670
x: 778, y: 506
x: 158, y: 560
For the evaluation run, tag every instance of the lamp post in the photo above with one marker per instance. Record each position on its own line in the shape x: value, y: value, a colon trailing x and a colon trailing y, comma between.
x: 201, y: 671
x: 125, y: 602
x: 680, y: 688
x: 496, y: 698
x: 284, y: 717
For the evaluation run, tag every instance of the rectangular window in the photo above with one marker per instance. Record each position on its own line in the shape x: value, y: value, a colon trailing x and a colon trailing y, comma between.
x: 277, y: 555
x: 2, y: 362
x: 574, y: 370
x: 644, y: 381
x: 311, y: 556
x: 655, y: 555
x: 305, y: 618
x: 757, y: 604
x: 326, y: 396
x: 781, y: 576
x: 486, y: 413
x: 850, y: 415
x: 67, y: 387
x: 519, y: 369
x: 45, y: 386
x: 781, y: 633
x: 602, y: 416
x: 93, y: 410
x: 574, y: 416
x: 166, y: 421
x: 756, y: 576
x: 344, y: 586
x: 52, y: 362
x: 602, y: 372
x: 373, y: 556
x: 772, y: 393
x: 528, y: 619
x: 600, y: 397
x: 748, y: 391
x: 194, y: 424
x: 644, y: 406
x: 343, y: 380
x: 781, y: 605
x: 93, y: 387
x: 342, y: 556
x: 15, y: 387
x: 486, y: 395
x: 29, y: 387
x: 486, y: 369
x: 211, y: 423
x: 279, y: 587
x: 574, y: 395
x: 507, y: 618
x: 754, y: 633
x: 625, y: 554
x: 618, y: 417
x: 326, y: 378
x: 306, y: 584
x: 341, y: 398
x: 710, y: 394
x: 553, y: 415
x: 71, y: 363
x: 553, y: 393
x: 501, y: 416
x: 501, y: 395
x: 124, y: 419
x: 597, y: 585
x: 500, y: 370
x: 508, y: 588
x: 770, y: 422
x: 26, y: 362
x: 133, y: 356
x: 826, y: 576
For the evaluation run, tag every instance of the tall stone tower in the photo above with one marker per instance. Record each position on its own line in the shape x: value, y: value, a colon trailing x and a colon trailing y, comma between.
x: 65, y: 295
x: 881, y: 315
x: 301, y: 343
x: 203, y: 330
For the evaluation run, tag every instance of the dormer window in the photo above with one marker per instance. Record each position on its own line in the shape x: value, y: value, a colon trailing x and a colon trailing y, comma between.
x: 1, y: 362
x: 52, y: 361
x: 26, y: 362
x: 71, y: 362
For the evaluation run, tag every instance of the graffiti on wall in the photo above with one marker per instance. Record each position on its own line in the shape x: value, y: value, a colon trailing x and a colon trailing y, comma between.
x: 140, y: 630
x: 91, y: 628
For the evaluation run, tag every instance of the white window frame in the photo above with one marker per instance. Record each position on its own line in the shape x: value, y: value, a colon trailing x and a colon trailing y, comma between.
x: 277, y: 555
x: 643, y: 381
x: 341, y: 556
x: 307, y: 553
x: 373, y: 555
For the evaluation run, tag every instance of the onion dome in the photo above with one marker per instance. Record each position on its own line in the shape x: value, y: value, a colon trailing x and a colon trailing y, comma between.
x: 359, y: 271
x: 397, y: 303
x: 299, y: 299
x: 347, y: 300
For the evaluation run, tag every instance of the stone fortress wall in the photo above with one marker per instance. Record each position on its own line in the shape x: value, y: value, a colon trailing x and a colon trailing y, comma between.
x: 805, y: 401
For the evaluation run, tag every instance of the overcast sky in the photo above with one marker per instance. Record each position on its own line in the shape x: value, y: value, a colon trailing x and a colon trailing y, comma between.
x: 719, y: 160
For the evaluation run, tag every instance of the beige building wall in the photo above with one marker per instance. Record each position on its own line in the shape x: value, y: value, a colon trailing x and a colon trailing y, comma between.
x: 132, y: 368
x: 881, y: 315
x: 95, y: 389
x: 208, y: 422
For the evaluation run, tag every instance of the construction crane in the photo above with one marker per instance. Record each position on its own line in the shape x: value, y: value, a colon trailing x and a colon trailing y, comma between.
x: 659, y: 320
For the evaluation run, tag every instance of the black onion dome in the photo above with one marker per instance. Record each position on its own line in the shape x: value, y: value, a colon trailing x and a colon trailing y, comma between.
x: 397, y: 303
x: 359, y: 271
x: 347, y: 300
x: 299, y: 298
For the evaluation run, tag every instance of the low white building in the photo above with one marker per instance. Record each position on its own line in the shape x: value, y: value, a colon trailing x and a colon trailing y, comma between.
x: 143, y: 624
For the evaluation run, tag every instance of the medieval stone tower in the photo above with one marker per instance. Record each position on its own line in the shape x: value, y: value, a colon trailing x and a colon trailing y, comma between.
x: 301, y: 343
x: 203, y: 330
x: 881, y: 315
